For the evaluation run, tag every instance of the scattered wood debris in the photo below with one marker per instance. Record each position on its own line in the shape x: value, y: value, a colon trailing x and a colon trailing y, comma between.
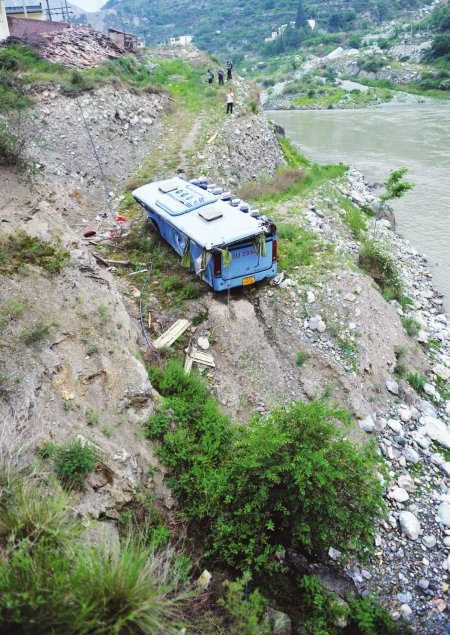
x: 172, y: 334
x: 124, y: 263
x: 194, y: 355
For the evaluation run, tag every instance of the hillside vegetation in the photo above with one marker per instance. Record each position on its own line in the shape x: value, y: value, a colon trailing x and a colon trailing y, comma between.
x: 122, y: 477
x: 235, y: 28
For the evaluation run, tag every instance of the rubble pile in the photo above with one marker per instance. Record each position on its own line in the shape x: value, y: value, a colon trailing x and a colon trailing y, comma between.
x: 75, y: 46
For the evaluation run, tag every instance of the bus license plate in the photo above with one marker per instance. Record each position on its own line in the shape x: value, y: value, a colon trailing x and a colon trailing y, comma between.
x: 249, y: 280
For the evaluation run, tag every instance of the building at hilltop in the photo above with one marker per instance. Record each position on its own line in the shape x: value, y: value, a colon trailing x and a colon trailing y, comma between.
x: 181, y: 40
x: 30, y: 12
x: 4, y: 28
x: 127, y: 41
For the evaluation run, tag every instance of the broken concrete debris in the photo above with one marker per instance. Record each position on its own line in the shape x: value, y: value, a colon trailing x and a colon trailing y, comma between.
x: 76, y: 46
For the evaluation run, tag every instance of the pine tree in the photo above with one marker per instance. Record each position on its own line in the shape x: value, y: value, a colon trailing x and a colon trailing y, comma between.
x: 300, y: 19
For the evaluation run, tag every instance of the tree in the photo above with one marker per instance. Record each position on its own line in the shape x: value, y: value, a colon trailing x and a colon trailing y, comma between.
x: 395, y: 186
x: 440, y: 47
x: 300, y: 19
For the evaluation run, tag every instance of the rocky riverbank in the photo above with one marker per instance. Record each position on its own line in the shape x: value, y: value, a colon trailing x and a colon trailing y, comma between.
x: 412, y: 550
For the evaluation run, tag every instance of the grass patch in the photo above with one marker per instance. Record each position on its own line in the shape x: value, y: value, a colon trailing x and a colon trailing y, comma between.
x: 290, y: 182
x: 297, y: 246
x: 51, y: 576
x: 294, y: 158
x: 200, y: 317
x: 411, y: 326
x: 376, y: 260
x: 301, y: 358
x: 417, y: 382
x: 353, y: 217
x: 19, y: 249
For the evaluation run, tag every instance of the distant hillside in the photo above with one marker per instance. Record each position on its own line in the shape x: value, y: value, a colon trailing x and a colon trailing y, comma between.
x: 239, y: 26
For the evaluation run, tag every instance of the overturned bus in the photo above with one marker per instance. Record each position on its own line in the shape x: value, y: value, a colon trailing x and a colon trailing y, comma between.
x: 227, y: 243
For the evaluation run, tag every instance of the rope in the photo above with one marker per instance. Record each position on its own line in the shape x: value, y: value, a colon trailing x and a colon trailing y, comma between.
x: 99, y: 163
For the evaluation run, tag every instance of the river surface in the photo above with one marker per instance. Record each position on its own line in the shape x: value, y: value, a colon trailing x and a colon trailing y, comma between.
x: 377, y: 140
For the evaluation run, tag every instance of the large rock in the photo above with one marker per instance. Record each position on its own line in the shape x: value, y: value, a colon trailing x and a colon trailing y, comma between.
x: 410, y: 525
x: 436, y: 430
x: 392, y: 386
x: 444, y: 514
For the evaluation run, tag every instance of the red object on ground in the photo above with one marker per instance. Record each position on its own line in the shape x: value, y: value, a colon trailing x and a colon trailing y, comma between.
x: 121, y: 219
x: 89, y: 233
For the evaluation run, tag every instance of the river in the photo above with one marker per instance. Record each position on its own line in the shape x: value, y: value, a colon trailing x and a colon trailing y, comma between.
x: 377, y: 140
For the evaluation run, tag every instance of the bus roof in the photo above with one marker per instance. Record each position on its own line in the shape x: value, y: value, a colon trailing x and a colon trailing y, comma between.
x: 197, y: 213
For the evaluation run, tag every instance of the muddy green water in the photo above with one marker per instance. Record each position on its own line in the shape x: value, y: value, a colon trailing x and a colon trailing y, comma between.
x: 378, y: 140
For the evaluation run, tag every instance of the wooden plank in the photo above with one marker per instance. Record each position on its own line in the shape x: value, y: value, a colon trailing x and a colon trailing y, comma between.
x: 203, y: 358
x: 211, y: 139
x: 172, y: 334
x: 188, y: 364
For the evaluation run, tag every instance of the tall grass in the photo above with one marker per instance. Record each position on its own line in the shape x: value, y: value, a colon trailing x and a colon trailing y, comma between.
x: 290, y: 182
x: 53, y: 581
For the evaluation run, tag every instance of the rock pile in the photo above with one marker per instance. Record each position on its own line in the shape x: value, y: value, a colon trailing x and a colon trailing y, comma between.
x: 119, y: 122
x: 75, y: 46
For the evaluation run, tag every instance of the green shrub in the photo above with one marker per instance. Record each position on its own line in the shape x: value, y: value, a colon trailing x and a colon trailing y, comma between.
x: 36, y: 335
x: 301, y: 358
x: 395, y: 186
x: 74, y: 461
x: 251, y: 491
x: 244, y: 617
x: 13, y: 149
x: 375, y: 259
x: 47, y: 450
x: 371, y: 64
x: 368, y: 617
x: 411, y: 326
x: 321, y: 612
x: 287, y: 485
x: 157, y: 424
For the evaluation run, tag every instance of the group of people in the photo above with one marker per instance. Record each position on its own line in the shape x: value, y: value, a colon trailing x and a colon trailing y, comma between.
x: 221, y: 73
x: 220, y: 76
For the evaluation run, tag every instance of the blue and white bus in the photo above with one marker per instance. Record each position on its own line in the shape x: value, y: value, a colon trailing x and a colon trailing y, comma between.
x: 227, y: 243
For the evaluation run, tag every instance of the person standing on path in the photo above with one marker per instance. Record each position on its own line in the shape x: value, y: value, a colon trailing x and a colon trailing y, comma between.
x: 230, y: 98
x: 220, y: 75
x: 229, y: 69
x: 210, y: 76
